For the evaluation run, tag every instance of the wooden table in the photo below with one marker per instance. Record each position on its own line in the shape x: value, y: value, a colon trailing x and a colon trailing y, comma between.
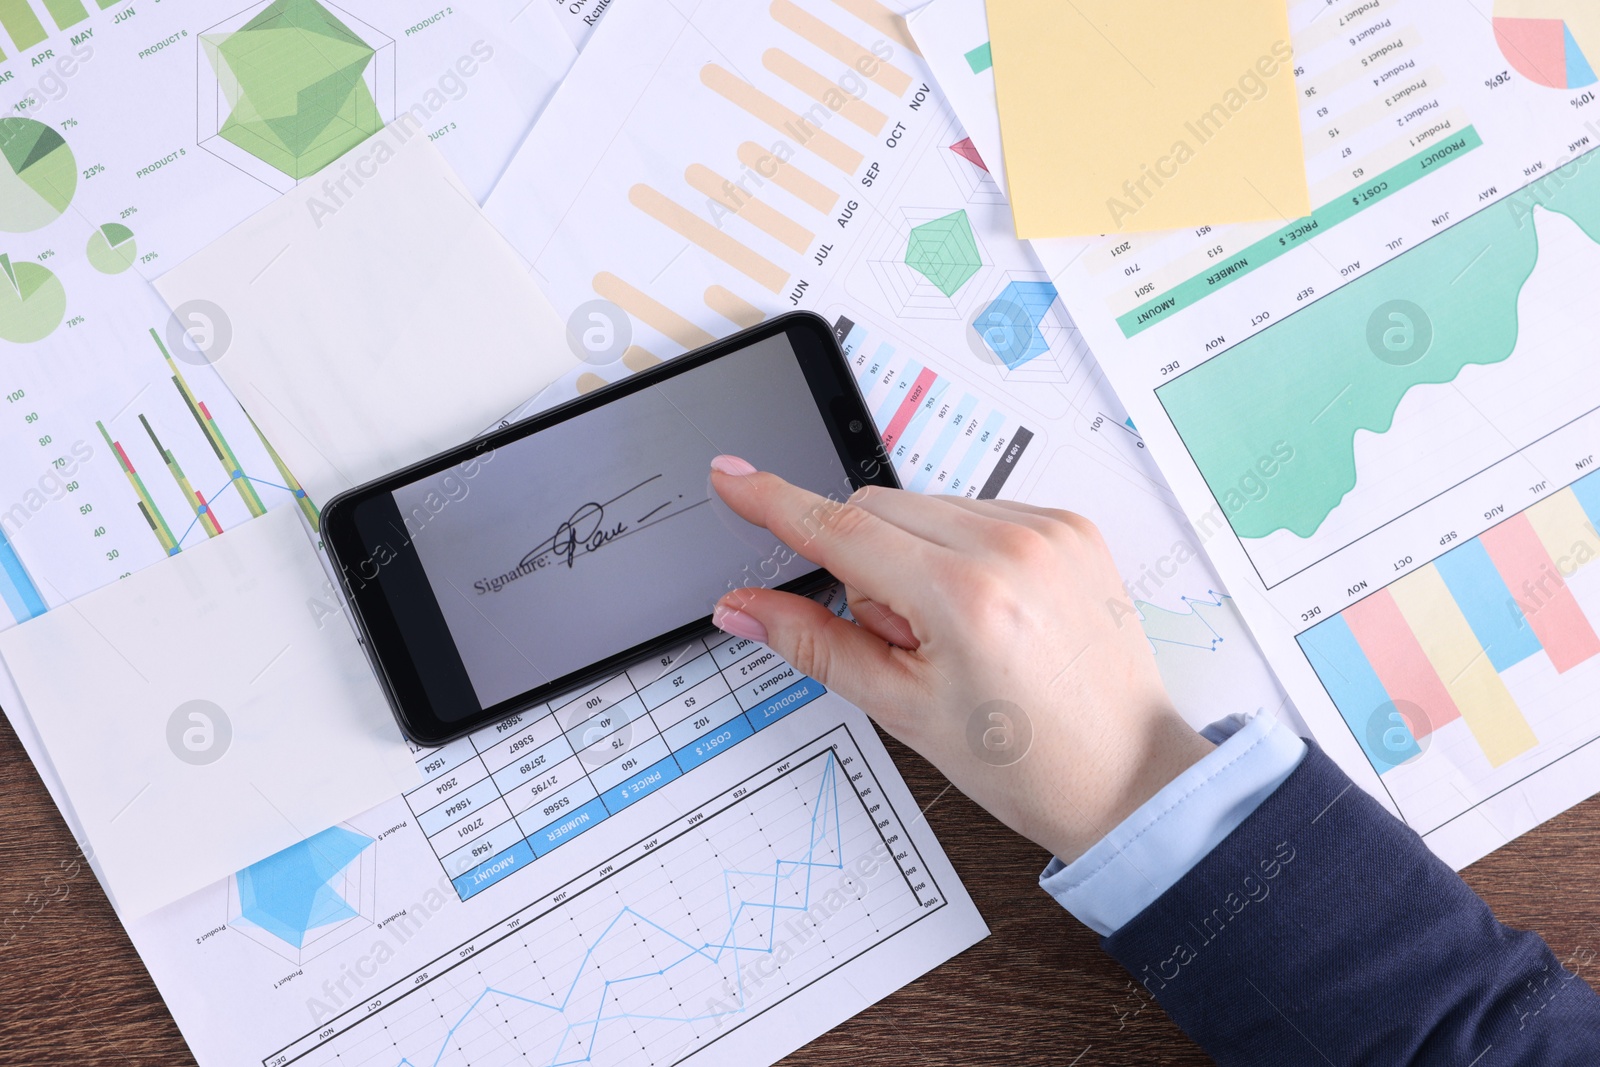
x: 1037, y: 991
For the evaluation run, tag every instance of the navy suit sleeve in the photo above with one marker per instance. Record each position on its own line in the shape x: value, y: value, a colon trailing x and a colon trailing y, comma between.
x: 1322, y: 930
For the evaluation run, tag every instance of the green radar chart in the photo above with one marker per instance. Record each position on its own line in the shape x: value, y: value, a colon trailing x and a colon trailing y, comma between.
x: 294, y: 78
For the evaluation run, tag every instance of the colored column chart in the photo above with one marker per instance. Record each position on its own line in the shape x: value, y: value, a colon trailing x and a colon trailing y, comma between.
x: 146, y: 503
x: 203, y: 507
x: 669, y: 944
x: 1476, y: 657
x: 21, y: 23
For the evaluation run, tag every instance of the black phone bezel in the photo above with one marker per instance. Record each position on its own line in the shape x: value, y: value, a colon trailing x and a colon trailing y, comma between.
x: 839, y: 402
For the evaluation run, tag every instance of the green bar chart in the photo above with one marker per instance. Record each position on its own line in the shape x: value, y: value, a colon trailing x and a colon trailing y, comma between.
x: 66, y: 12
x: 21, y: 24
x: 26, y: 28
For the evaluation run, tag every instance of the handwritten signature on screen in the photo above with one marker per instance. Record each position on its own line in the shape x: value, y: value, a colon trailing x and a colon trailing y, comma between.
x: 590, y: 528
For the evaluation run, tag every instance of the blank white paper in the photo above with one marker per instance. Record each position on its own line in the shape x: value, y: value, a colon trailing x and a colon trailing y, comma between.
x: 208, y: 712
x: 371, y: 317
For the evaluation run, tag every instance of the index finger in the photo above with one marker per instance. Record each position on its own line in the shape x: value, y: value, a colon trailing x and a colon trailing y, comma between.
x: 877, y: 557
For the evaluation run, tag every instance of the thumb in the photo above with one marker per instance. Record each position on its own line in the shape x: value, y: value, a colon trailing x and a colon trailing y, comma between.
x: 856, y: 664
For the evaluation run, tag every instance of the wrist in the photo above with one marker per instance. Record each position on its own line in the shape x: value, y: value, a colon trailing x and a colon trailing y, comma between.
x: 1106, y: 789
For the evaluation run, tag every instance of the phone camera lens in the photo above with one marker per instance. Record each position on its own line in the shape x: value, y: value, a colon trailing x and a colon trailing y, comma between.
x: 855, y: 426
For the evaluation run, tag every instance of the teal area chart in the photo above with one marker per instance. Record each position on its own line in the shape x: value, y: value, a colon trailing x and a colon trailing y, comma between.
x: 1307, y: 386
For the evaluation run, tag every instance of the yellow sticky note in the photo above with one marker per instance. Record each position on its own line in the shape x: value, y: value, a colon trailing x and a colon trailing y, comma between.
x: 1119, y: 116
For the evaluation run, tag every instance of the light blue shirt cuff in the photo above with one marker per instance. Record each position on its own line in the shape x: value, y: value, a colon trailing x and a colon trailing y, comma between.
x: 1150, y: 850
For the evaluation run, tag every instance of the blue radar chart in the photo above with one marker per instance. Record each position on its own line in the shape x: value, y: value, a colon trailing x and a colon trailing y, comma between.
x: 1012, y: 323
x: 291, y: 893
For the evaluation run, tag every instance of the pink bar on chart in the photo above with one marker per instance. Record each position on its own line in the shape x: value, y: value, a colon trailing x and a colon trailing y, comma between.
x: 1399, y: 661
x: 908, y: 406
x: 1540, y: 590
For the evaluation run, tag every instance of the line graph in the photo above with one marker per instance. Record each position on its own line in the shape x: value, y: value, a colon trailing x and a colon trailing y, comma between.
x: 800, y: 868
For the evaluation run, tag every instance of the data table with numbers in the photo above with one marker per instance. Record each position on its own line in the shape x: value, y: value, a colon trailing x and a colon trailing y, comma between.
x: 496, y: 800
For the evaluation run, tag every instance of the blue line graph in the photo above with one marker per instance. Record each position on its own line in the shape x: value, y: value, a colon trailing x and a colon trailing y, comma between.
x: 674, y: 943
x: 652, y: 952
x: 183, y: 538
x: 751, y: 928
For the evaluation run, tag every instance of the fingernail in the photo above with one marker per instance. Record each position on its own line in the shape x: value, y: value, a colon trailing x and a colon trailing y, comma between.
x: 731, y: 465
x: 735, y: 622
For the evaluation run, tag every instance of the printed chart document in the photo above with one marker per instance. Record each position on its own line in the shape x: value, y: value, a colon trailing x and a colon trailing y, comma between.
x: 202, y: 718
x: 763, y: 903
x: 1387, y: 411
x: 549, y: 895
x: 719, y: 168
x: 118, y: 442
x: 1120, y: 117
x: 347, y: 315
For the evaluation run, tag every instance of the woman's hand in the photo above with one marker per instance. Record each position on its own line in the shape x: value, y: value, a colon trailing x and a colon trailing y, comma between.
x: 994, y: 638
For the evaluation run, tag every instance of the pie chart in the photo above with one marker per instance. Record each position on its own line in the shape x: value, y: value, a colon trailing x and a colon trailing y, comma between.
x: 112, y: 249
x: 38, y: 177
x: 1550, y: 42
x: 32, y: 302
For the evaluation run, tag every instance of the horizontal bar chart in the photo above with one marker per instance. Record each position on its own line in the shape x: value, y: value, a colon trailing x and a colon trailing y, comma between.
x: 693, y: 228
x: 650, y: 311
x: 788, y: 177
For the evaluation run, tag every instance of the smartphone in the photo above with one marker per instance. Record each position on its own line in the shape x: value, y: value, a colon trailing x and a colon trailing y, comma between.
x: 553, y: 552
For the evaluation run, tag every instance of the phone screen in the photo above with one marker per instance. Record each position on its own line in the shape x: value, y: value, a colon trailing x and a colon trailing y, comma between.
x: 601, y: 532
